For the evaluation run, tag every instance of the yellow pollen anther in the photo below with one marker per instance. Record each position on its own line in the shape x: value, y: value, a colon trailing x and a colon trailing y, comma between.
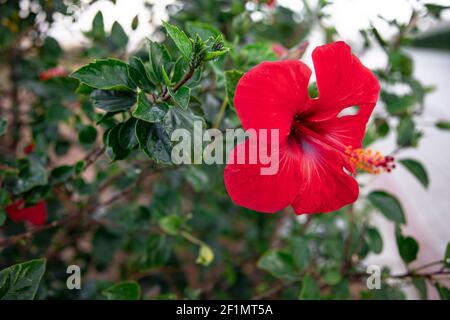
x: 369, y: 161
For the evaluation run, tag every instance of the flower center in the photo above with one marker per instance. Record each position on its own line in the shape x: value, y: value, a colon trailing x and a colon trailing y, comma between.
x: 371, y: 162
x: 358, y: 158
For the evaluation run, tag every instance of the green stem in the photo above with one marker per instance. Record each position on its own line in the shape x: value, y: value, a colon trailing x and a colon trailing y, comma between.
x: 221, y: 113
x: 185, y: 79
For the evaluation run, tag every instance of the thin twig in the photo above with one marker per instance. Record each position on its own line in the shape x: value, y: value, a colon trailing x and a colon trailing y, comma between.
x: 30, y: 233
x: 187, y: 76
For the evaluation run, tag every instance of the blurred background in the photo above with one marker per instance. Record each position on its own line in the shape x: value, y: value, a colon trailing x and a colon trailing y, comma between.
x: 426, y: 209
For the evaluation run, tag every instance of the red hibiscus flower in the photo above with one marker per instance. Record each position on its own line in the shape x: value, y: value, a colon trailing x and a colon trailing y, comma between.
x: 29, y: 148
x: 36, y: 214
x: 319, y: 149
x: 53, y: 73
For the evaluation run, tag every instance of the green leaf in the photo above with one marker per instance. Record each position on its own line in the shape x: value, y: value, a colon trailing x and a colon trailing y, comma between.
x: 149, y: 112
x: 421, y: 287
x: 300, y: 251
x: 388, y: 205
x: 386, y: 292
x: 280, y: 264
x: 196, y: 78
x: 135, y: 23
x: 127, y: 290
x: 84, y: 89
x: 215, y: 54
x: 378, y: 37
x: 102, y: 118
x: 310, y: 289
x: 407, y: 246
x: 118, y: 37
x: 114, y: 148
x: 31, y: 174
x: 374, y: 240
x: 154, y: 141
x: 177, y: 118
x: 407, y: 135
x: 179, y: 70
x: 435, y: 9
x: 79, y: 166
x: 180, y: 39
x: 138, y: 75
x: 98, y: 29
x: 21, y: 281
x: 382, y: 127
x: 87, y: 135
x: 205, y: 255
x: 61, y: 174
x: 232, y: 78
x: 171, y: 224
x: 443, y: 124
x: 165, y: 77
x: 3, y: 126
x: 417, y: 169
x: 2, y: 216
x: 158, y: 56
x: 181, y: 96
x: 397, y: 104
x: 401, y: 62
x: 107, y: 74
x: 444, y: 292
x: 113, y: 101
x: 332, y: 277
x: 127, y: 136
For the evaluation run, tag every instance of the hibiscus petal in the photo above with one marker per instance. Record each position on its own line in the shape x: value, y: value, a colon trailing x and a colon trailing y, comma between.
x: 270, y: 94
x: 248, y: 188
x: 325, y: 186
x: 36, y: 214
x: 342, y: 82
x: 345, y: 131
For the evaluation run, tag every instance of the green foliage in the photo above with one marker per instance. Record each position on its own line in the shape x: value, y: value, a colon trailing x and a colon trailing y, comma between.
x: 107, y: 74
x: 181, y: 96
x: 417, y: 169
x: 407, y: 246
x: 87, y: 135
x: 279, y: 263
x: 31, y: 173
x: 180, y: 39
x: 128, y: 290
x: 388, y: 205
x: 444, y: 125
x: 310, y: 289
x: 444, y: 293
x: 374, y: 240
x: 118, y: 36
x: 113, y: 101
x: 21, y: 281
